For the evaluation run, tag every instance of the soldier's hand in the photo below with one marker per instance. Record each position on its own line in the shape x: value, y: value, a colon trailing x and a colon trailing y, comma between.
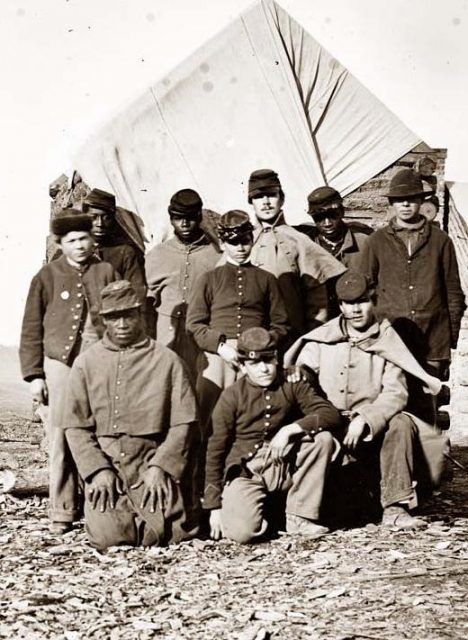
x: 39, y: 391
x: 157, y: 489
x: 216, y: 525
x: 228, y: 354
x: 279, y: 444
x: 295, y: 373
x: 357, y: 429
x: 103, y: 489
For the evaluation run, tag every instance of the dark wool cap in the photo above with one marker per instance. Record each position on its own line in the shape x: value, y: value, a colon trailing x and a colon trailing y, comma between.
x: 323, y: 198
x: 233, y: 225
x: 255, y: 344
x: 99, y: 199
x: 185, y: 202
x: 406, y: 183
x: 261, y: 181
x: 118, y: 296
x: 352, y: 285
x: 70, y: 220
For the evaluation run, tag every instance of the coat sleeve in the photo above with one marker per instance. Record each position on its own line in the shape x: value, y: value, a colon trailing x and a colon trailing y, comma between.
x: 391, y: 400
x: 310, y: 357
x: 368, y: 262
x: 199, y: 314
x: 319, y: 414
x: 223, y: 419
x: 279, y: 322
x: 80, y: 427
x: 133, y: 271
x: 182, y: 433
x: 31, y: 349
x: 455, y: 298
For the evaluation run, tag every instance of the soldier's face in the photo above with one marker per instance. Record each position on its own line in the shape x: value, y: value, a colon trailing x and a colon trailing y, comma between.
x: 186, y: 228
x: 124, y: 328
x: 406, y: 209
x: 268, y: 205
x: 329, y: 222
x: 239, y: 250
x: 261, y: 372
x: 358, y: 314
x: 77, y: 246
x: 103, y: 222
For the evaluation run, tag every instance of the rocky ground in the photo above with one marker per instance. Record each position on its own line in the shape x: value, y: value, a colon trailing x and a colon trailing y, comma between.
x: 358, y: 583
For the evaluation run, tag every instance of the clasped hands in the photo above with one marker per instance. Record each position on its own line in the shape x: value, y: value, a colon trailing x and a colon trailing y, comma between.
x: 105, y: 487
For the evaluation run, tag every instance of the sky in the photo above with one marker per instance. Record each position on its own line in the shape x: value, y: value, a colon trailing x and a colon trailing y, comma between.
x: 68, y: 66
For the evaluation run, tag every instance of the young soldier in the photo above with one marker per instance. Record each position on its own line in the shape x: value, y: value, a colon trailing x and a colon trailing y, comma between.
x: 227, y: 300
x: 111, y: 243
x: 361, y: 365
x: 301, y: 266
x: 414, y: 267
x: 268, y: 435
x: 171, y: 269
x: 131, y: 423
x: 60, y: 320
x: 343, y: 240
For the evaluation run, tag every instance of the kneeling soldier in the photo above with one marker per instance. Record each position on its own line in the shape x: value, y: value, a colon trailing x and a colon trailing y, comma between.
x: 260, y: 444
x: 131, y: 423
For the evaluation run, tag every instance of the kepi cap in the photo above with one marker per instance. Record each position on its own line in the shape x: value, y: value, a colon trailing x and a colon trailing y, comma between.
x: 185, y: 202
x: 352, y: 285
x: 407, y: 182
x: 262, y: 180
x: 99, y: 199
x: 234, y: 225
x: 118, y: 296
x: 324, y: 198
x: 255, y: 344
x: 68, y: 220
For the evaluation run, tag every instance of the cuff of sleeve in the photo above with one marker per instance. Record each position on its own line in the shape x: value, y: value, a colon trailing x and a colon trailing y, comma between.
x: 374, y: 420
x: 310, y: 424
x: 172, y: 464
x: 93, y: 465
x: 212, y: 497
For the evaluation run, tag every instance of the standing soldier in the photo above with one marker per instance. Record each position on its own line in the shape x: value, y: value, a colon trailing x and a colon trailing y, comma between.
x: 111, y: 245
x: 343, y: 240
x: 301, y: 266
x: 171, y: 269
x: 414, y: 267
x: 60, y: 320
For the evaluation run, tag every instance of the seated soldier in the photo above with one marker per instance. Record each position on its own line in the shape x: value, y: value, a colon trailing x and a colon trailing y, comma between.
x: 131, y: 423
x: 361, y: 365
x: 268, y: 435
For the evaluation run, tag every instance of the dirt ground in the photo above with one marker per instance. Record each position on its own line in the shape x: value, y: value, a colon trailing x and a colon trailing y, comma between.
x: 359, y: 583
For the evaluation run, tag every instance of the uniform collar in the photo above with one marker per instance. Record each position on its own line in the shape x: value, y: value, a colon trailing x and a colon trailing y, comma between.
x: 108, y: 344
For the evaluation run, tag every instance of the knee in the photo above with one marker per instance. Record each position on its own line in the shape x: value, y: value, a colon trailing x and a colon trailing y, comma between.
x: 401, y: 425
x: 324, y: 442
x: 244, y: 530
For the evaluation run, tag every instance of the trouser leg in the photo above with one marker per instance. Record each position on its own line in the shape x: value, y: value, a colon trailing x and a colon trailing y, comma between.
x: 63, y: 475
x: 242, y: 511
x: 305, y: 496
x: 397, y: 461
x: 112, y: 527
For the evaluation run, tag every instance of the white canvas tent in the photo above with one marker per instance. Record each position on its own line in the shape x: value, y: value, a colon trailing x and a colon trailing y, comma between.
x: 262, y: 93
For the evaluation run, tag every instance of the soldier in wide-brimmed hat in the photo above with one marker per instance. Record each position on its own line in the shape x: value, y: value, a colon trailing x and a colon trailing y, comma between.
x: 131, y: 423
x: 60, y: 320
x: 414, y: 268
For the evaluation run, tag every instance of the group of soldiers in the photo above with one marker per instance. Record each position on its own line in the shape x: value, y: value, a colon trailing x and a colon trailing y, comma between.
x: 186, y: 388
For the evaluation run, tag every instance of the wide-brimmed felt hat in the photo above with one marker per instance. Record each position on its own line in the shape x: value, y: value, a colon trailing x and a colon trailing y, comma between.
x: 261, y: 181
x: 407, y: 183
x: 185, y: 202
x: 324, y: 198
x: 233, y: 225
x: 68, y: 220
x: 256, y: 343
x: 352, y: 286
x: 118, y: 296
x: 100, y: 199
